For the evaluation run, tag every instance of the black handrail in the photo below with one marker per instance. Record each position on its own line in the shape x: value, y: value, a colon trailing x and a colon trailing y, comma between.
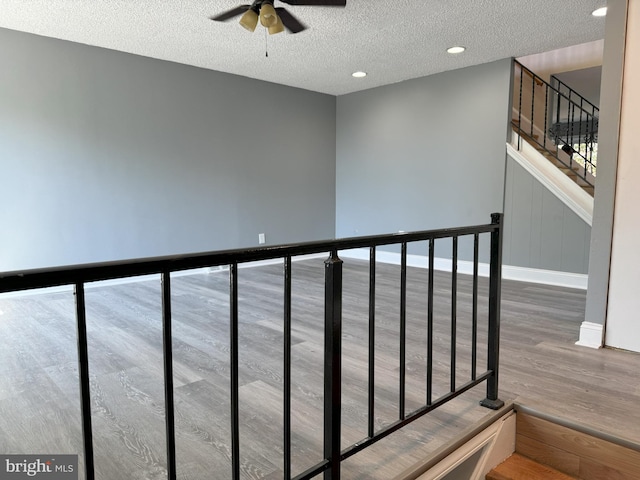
x: 579, y: 127
x: 67, y: 275
x: 79, y: 275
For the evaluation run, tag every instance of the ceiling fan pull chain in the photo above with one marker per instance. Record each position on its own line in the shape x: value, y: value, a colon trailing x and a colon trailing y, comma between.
x: 266, y: 49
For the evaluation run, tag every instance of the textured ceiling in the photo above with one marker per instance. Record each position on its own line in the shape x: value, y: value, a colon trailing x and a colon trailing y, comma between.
x: 392, y: 40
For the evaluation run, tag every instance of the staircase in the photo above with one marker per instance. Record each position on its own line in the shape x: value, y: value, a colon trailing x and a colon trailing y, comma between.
x: 519, y: 443
x: 559, y: 158
x: 519, y: 467
x: 560, y: 126
x: 550, y: 449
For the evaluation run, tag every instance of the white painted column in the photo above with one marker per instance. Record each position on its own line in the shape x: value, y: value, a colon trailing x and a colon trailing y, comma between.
x: 623, y: 310
x: 592, y: 329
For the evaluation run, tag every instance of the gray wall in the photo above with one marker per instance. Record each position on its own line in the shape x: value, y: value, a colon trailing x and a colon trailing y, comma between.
x: 425, y: 153
x: 106, y: 155
x: 541, y: 231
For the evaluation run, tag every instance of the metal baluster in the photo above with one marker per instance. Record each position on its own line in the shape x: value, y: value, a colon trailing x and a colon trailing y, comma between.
x: 520, y: 110
x: 83, y: 374
x: 546, y: 114
x: 332, y: 363
x: 572, y: 110
x: 533, y: 97
x: 235, y: 394
x: 430, y: 324
x: 558, y: 94
x: 287, y: 368
x: 592, y: 142
x: 474, y: 312
x: 372, y: 338
x: 403, y: 328
x: 454, y: 301
x: 167, y: 349
x: 580, y: 141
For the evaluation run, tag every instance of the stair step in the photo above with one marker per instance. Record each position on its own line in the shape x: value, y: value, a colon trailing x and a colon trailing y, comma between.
x: 589, y: 189
x: 575, y: 177
x: 567, y: 171
x: 518, y: 467
x: 572, y: 173
x: 514, y: 126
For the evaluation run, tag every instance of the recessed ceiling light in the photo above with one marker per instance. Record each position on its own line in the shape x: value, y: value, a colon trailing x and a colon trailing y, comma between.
x: 455, y: 50
x: 359, y: 74
x: 600, y: 12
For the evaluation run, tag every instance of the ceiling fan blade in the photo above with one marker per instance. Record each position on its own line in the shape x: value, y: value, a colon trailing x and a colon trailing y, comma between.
x: 234, y: 12
x: 319, y: 3
x: 290, y: 22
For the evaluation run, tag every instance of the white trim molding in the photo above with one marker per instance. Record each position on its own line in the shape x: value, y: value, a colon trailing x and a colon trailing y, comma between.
x: 591, y: 335
x: 566, y: 190
x: 521, y: 274
x: 546, y: 277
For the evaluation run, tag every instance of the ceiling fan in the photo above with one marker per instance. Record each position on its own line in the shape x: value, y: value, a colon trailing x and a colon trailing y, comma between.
x: 275, y: 20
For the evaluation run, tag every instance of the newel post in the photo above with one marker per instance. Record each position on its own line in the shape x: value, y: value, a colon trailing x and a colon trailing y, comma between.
x: 332, y: 363
x: 495, y: 278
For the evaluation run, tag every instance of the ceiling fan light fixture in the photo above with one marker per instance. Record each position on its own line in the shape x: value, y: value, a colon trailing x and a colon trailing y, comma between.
x: 278, y: 27
x: 268, y: 16
x: 249, y: 20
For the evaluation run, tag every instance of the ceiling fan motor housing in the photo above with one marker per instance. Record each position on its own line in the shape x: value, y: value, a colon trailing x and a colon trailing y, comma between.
x: 274, y: 19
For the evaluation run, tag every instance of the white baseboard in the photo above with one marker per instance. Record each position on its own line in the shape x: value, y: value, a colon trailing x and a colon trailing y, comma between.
x: 521, y: 274
x: 545, y: 277
x: 590, y: 335
x: 418, y: 261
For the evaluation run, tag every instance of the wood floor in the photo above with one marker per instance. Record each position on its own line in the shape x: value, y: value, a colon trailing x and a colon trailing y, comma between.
x: 39, y: 402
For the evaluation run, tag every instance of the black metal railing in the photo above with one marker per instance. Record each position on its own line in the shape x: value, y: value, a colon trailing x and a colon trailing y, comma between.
x: 573, y: 96
x: 78, y: 276
x: 558, y: 120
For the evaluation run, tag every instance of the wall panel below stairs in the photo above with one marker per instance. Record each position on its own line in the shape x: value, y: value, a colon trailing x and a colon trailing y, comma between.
x: 540, y: 231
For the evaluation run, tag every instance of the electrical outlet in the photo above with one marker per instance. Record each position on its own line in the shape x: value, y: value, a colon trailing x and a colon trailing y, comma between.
x: 261, y: 238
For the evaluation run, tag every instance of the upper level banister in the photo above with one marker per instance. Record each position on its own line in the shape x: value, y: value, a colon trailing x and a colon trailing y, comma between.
x: 557, y: 126
x: 564, y: 85
x: 542, y: 82
x: 56, y: 276
x: 330, y: 466
x: 539, y: 81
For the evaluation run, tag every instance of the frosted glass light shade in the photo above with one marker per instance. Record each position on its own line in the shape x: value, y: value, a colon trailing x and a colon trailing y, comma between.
x: 249, y: 20
x: 278, y: 27
x: 268, y: 17
x: 455, y: 50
